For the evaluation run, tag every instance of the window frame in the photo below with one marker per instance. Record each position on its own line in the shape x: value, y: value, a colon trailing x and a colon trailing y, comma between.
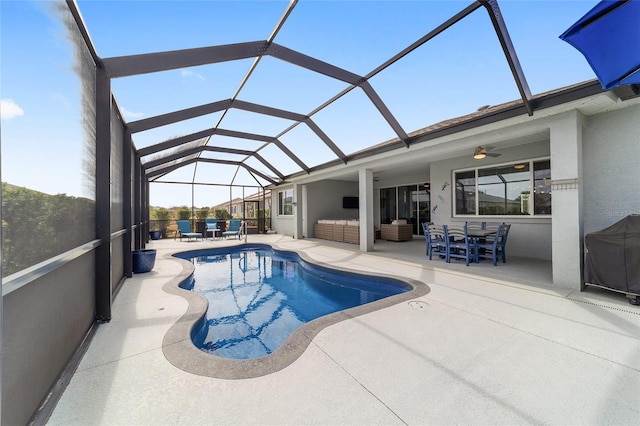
x: 531, y: 162
x: 282, y: 202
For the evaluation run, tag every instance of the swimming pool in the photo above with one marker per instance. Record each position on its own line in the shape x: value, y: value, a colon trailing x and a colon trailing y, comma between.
x: 259, y: 296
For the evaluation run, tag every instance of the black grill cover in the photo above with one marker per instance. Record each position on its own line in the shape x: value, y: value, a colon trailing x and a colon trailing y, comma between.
x: 613, y: 256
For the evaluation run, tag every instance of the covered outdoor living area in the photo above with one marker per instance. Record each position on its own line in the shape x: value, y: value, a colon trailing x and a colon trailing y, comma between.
x: 547, y: 166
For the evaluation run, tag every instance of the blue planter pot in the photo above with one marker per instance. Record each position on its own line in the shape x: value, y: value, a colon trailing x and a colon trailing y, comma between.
x: 143, y: 260
x: 155, y: 235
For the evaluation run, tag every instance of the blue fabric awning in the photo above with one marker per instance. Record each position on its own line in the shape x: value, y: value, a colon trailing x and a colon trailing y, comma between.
x: 609, y: 38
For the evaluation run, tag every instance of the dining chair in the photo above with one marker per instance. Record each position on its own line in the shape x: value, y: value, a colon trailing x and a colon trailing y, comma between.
x: 434, y: 238
x: 425, y: 231
x: 491, y: 226
x: 476, y: 225
x: 458, y: 244
x: 503, y: 241
x: 489, y: 247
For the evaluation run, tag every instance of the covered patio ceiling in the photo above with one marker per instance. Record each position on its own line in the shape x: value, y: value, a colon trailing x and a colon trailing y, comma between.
x: 273, y: 109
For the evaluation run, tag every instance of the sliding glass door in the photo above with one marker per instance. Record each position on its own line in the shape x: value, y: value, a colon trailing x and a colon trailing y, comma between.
x: 423, y: 202
x: 408, y: 202
x: 387, y: 205
x: 406, y: 206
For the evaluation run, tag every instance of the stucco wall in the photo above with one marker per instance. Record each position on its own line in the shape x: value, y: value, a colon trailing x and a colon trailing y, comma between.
x: 284, y: 225
x: 529, y: 237
x: 611, y: 176
x: 322, y: 200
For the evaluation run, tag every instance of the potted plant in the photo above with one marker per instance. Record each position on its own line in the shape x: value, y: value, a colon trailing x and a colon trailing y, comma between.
x: 143, y: 260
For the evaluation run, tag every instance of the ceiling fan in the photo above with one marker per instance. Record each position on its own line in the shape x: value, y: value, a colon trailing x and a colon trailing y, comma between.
x: 482, y: 152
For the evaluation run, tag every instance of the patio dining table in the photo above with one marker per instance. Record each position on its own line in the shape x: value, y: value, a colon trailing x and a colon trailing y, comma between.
x: 480, y: 233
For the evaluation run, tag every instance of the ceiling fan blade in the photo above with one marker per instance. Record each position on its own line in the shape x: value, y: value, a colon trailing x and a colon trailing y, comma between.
x: 493, y: 154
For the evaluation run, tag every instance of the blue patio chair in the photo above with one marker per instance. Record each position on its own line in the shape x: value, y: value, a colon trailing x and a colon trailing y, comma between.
x: 476, y: 225
x: 434, y: 238
x: 502, y: 244
x: 489, y: 247
x: 235, y: 227
x: 458, y: 244
x: 492, y: 226
x: 184, y: 230
x: 211, y: 225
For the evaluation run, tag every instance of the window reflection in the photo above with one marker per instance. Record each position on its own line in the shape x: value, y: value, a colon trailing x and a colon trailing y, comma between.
x: 542, y: 187
x: 285, y: 202
x: 466, y: 192
x: 387, y: 205
x: 506, y: 190
x: 408, y: 202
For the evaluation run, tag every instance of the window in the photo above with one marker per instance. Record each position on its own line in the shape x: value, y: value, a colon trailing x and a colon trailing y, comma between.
x: 387, y: 205
x: 466, y: 192
x: 504, y: 190
x: 285, y: 202
x: 541, y: 187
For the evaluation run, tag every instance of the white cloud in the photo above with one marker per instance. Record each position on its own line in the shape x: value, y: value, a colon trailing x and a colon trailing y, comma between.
x: 129, y: 114
x: 188, y: 73
x: 9, y: 109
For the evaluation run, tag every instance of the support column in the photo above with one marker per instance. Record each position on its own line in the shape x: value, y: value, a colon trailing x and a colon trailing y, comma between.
x: 103, y: 279
x: 1, y: 306
x: 127, y: 203
x: 145, y: 209
x: 298, y: 211
x: 137, y: 195
x: 365, y: 195
x: 304, y: 223
x: 566, y: 200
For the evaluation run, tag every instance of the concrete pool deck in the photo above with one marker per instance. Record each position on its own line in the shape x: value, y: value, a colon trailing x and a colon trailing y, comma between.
x: 484, y: 346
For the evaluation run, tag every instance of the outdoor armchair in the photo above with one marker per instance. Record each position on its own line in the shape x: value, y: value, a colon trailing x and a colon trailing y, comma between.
x: 184, y: 230
x: 235, y: 227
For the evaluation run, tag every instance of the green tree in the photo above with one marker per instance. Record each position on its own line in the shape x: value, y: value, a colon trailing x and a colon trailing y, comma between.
x: 162, y: 217
x: 184, y: 213
x: 202, y: 214
x: 221, y: 214
x: 38, y: 226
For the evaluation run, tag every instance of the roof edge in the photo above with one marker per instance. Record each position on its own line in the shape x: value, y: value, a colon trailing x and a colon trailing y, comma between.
x: 476, y: 119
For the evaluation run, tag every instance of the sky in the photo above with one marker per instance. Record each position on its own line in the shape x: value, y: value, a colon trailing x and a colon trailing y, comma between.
x: 44, y: 141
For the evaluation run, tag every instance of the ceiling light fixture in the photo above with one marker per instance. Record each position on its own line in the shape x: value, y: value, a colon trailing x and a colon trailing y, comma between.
x: 519, y: 166
x: 479, y: 153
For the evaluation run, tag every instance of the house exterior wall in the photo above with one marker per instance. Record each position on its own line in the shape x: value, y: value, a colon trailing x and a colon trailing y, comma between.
x: 611, y: 177
x: 321, y: 200
x: 409, y: 179
x: 593, y: 146
x: 285, y: 225
x: 566, y: 201
x: 529, y: 236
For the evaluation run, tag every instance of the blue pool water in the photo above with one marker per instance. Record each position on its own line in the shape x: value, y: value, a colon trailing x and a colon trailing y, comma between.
x: 259, y: 296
